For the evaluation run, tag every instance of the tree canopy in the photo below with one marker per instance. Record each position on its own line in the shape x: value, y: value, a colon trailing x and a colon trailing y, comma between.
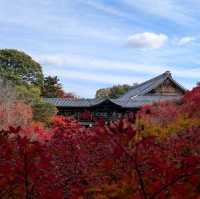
x: 20, y: 68
x: 52, y: 87
x: 24, y: 75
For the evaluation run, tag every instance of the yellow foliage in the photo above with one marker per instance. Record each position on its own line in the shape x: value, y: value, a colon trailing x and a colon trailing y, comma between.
x: 125, y: 188
x: 148, y: 127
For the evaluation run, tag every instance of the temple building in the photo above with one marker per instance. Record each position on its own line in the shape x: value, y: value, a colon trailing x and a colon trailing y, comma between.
x: 87, y: 111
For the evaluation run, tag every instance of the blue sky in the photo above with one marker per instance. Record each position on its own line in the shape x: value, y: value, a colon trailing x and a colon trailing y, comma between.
x: 90, y: 44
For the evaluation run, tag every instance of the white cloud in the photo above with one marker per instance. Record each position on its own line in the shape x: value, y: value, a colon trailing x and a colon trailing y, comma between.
x: 177, y: 11
x: 66, y: 26
x: 82, y: 62
x: 173, y: 10
x: 95, y: 77
x: 147, y: 40
x: 60, y: 62
x: 108, y: 9
x: 186, y: 40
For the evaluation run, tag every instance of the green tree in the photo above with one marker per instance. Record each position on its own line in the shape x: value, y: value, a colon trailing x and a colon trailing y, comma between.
x: 43, y: 112
x: 52, y: 87
x: 30, y: 94
x: 26, y: 76
x: 20, y: 68
x: 114, y: 92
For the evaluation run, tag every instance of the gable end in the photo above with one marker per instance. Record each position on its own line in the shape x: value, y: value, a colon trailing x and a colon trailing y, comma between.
x: 167, y: 88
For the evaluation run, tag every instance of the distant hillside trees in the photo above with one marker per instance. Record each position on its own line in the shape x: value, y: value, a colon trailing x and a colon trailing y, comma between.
x: 115, y: 91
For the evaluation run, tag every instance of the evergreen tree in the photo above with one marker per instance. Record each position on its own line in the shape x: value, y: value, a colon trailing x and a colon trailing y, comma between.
x: 52, y: 87
x: 20, y: 68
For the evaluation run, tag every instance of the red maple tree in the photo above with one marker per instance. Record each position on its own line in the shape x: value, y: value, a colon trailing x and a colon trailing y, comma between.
x: 152, y: 155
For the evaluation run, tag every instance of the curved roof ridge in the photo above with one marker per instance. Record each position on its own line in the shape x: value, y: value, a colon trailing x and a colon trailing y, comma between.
x: 137, y: 90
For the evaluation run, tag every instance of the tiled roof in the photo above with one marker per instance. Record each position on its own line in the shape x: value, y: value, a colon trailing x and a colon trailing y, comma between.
x: 61, y: 102
x: 131, y: 103
x: 149, y: 85
x: 135, y: 98
x: 143, y: 100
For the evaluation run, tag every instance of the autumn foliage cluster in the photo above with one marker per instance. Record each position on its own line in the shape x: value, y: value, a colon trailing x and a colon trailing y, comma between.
x: 152, y: 155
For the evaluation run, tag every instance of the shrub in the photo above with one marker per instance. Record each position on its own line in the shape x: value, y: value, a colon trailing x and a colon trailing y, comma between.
x: 43, y: 112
